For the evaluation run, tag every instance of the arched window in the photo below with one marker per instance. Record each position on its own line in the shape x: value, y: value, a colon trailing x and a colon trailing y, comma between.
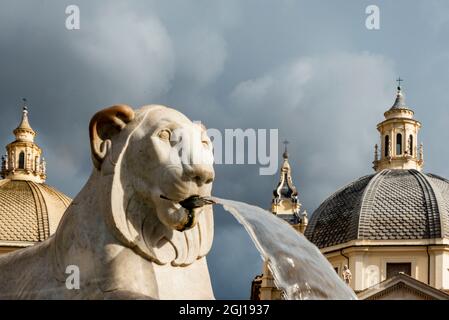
x: 387, y: 146
x: 398, y: 144
x: 22, y: 160
x: 410, y: 145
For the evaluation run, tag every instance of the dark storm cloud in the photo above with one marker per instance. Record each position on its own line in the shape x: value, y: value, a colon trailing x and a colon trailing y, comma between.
x: 310, y: 69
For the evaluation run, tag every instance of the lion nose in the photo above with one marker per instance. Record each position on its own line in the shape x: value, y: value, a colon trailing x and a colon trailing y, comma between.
x: 200, y: 174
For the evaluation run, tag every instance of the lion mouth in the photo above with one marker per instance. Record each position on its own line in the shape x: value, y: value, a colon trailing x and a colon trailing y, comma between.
x: 190, y: 204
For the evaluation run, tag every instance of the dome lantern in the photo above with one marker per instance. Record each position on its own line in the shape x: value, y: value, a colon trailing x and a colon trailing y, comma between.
x: 399, y: 138
x: 23, y: 160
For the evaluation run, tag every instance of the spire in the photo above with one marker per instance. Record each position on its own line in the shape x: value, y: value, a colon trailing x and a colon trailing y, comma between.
x: 285, y: 202
x: 24, y: 132
x: 399, y: 103
x: 24, y: 124
x: 285, y: 187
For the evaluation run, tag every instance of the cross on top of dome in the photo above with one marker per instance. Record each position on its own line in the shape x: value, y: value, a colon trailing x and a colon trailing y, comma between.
x: 285, y: 154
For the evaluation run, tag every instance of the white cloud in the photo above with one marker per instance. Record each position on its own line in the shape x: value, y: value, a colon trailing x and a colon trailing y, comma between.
x: 141, y: 63
x: 201, y: 55
x: 284, y: 86
x: 328, y: 106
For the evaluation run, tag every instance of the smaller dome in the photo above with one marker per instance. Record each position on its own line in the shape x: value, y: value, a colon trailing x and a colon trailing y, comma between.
x: 29, y: 212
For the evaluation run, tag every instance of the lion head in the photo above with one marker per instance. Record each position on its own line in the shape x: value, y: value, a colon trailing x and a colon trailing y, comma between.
x: 153, y: 158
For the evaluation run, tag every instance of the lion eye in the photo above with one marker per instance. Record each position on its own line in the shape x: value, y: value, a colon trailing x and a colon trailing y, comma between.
x: 165, y: 134
x: 205, y: 143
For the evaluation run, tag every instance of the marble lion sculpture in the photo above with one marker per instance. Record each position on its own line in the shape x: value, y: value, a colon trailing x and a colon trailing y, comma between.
x: 127, y: 238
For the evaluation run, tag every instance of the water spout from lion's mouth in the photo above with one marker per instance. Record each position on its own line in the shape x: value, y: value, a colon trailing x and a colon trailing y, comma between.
x: 192, y: 202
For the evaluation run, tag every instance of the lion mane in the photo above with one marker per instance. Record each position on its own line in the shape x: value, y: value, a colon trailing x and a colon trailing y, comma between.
x: 147, y: 235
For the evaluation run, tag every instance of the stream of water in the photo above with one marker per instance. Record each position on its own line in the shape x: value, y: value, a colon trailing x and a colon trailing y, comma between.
x: 298, y: 267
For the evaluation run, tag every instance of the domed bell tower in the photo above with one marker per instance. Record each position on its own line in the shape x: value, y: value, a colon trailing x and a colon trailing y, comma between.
x: 285, y: 198
x: 399, y: 138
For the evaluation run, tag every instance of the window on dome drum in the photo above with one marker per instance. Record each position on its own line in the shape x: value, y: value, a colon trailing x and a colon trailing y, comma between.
x: 398, y: 144
x: 22, y: 160
x: 410, y: 151
x: 387, y: 145
x: 396, y: 268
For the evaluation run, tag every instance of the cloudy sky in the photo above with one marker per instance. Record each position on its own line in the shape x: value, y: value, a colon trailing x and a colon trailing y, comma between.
x: 308, y: 68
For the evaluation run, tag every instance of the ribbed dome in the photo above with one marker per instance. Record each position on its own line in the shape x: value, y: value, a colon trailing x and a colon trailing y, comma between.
x: 389, y: 205
x: 29, y: 211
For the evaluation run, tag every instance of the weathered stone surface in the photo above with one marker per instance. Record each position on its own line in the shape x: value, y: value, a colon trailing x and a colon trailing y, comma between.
x: 118, y: 230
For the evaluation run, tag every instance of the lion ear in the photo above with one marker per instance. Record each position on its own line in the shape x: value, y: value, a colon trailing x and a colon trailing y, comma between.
x: 103, y: 126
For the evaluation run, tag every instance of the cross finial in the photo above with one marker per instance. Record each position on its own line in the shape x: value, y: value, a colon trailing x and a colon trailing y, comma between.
x: 24, y: 100
x: 285, y: 142
x: 399, y: 80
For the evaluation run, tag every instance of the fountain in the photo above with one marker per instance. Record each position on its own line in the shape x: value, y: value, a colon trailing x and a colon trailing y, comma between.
x: 297, y: 265
x: 142, y: 225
